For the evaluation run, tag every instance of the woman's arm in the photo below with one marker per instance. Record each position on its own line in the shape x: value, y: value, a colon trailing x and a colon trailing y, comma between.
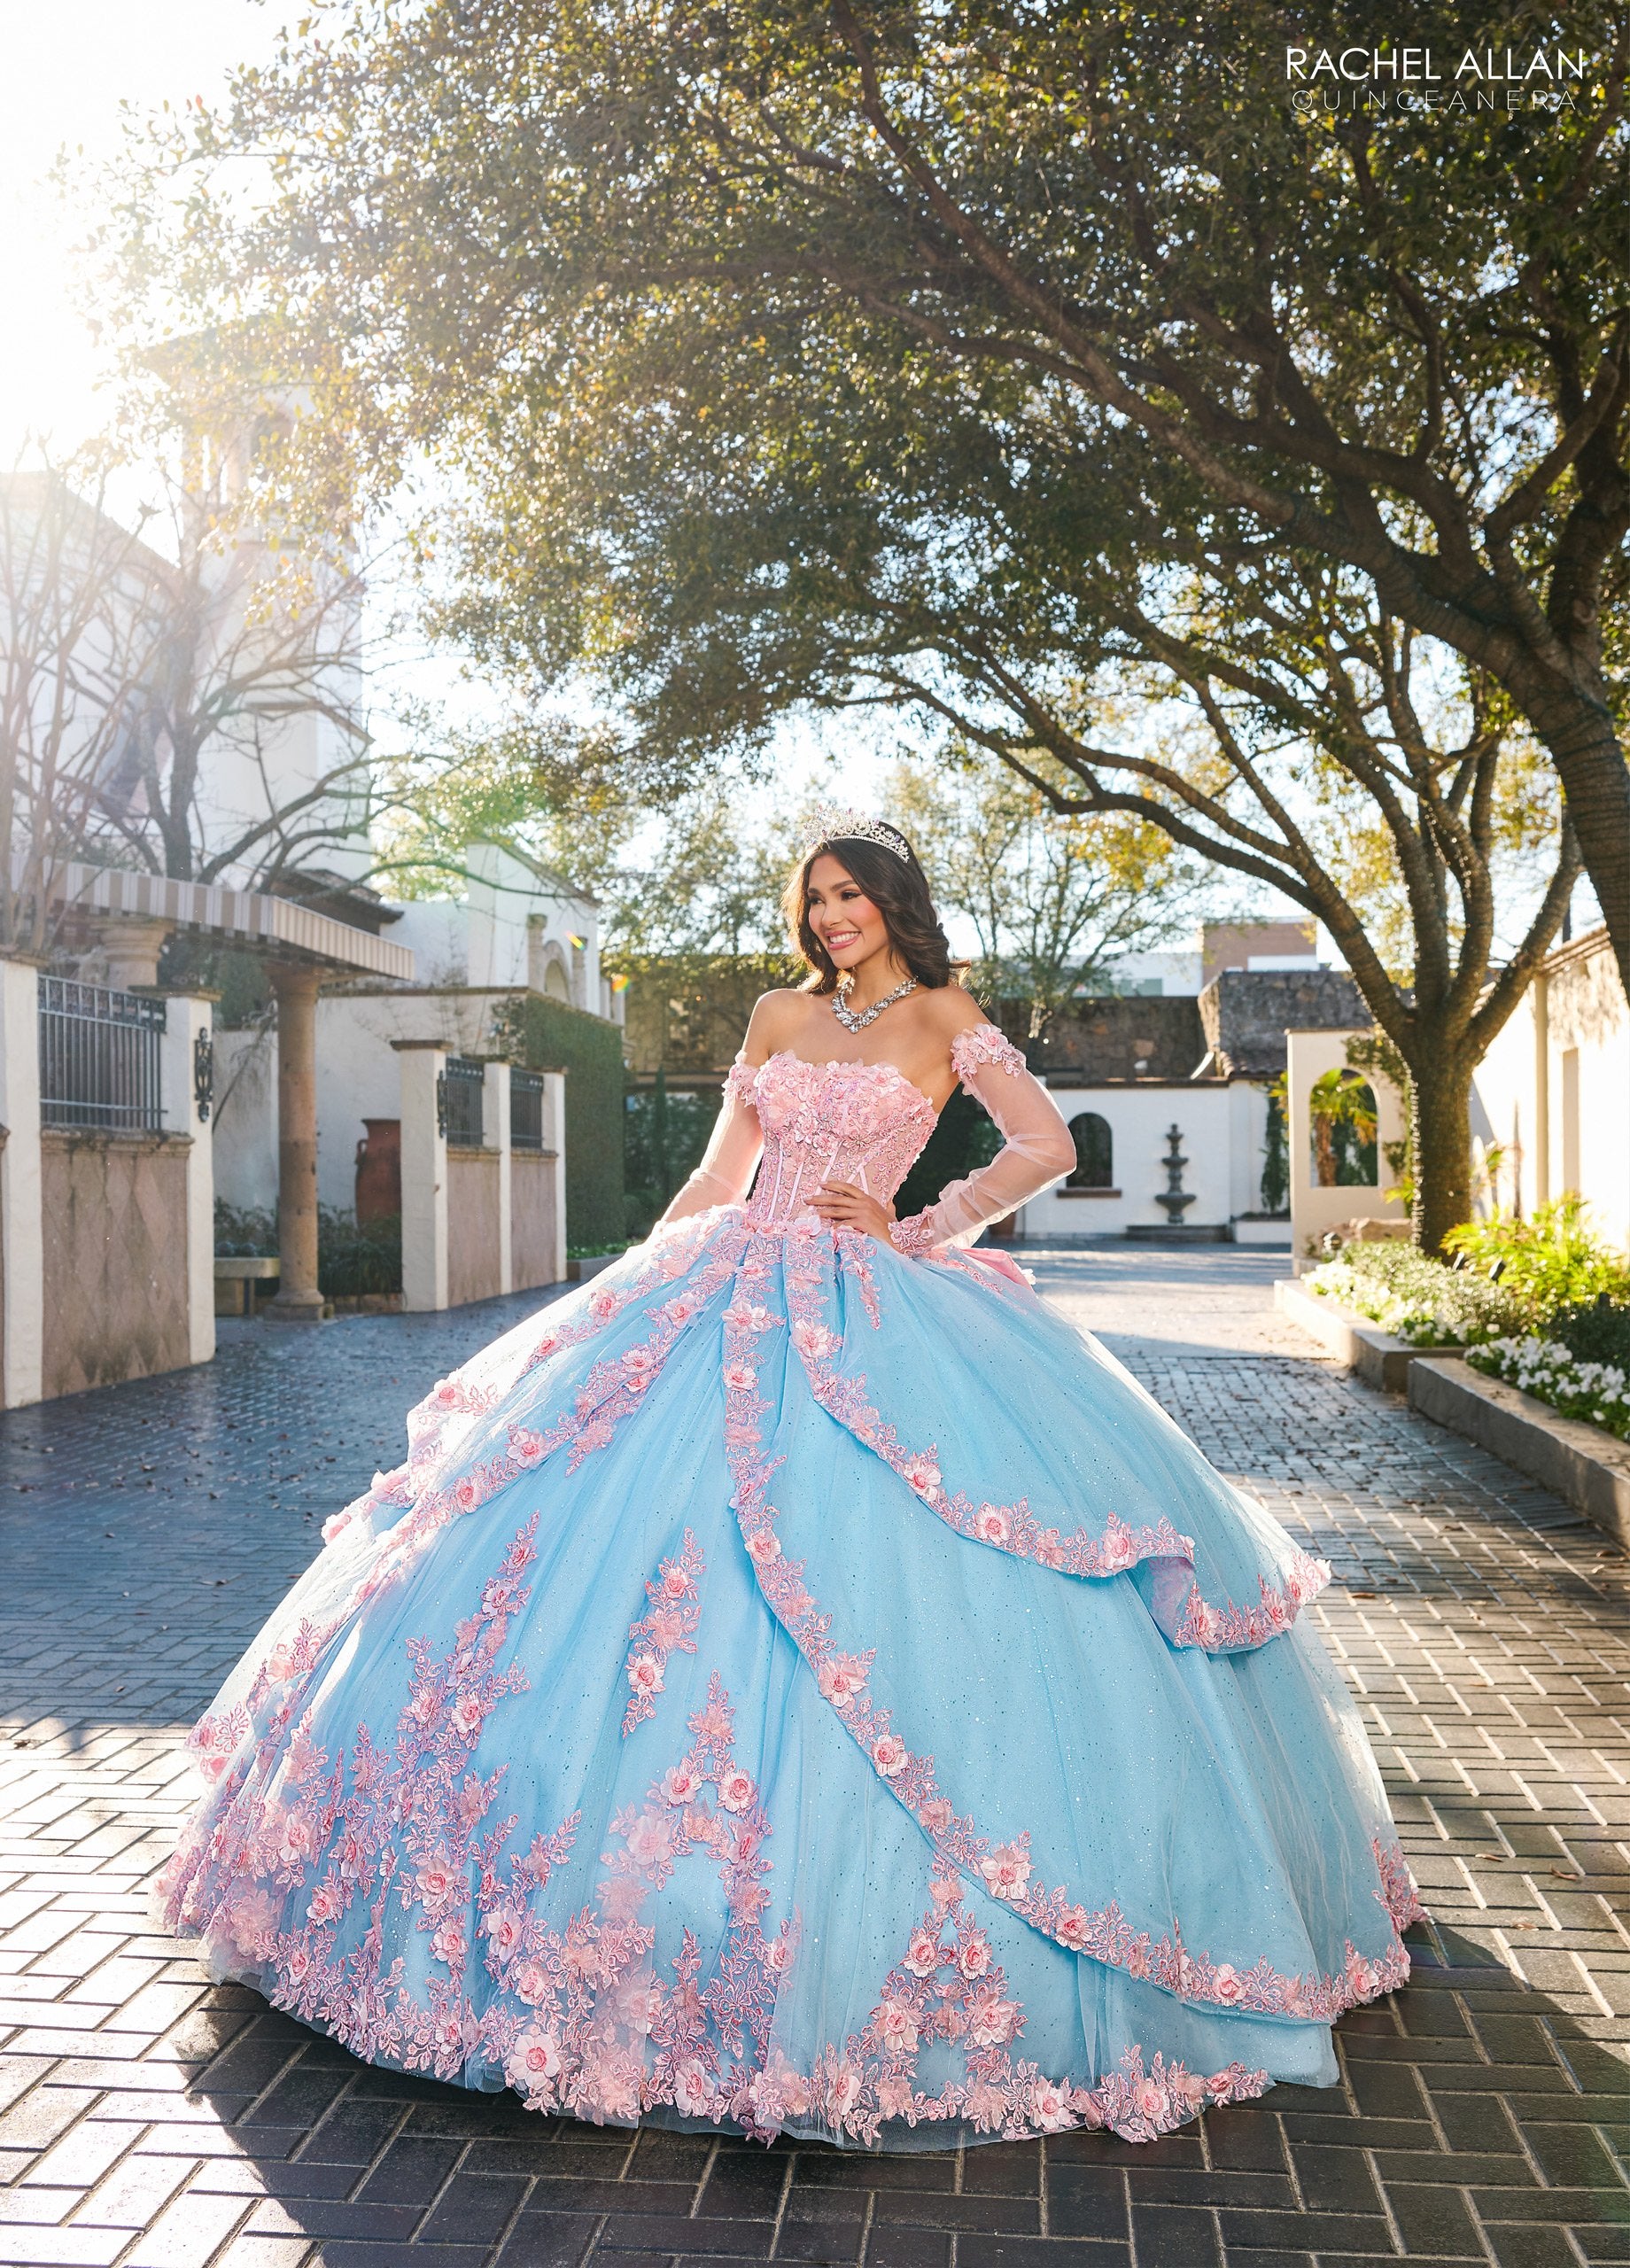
x: 1037, y: 1149
x: 731, y: 1158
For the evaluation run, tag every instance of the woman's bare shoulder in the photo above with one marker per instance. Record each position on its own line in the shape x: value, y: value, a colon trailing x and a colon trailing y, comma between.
x: 774, y: 1015
x: 953, y: 1010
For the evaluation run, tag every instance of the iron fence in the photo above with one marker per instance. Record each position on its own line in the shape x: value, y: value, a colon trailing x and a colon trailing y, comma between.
x: 526, y: 1110
x: 100, y: 1057
x: 462, y: 1085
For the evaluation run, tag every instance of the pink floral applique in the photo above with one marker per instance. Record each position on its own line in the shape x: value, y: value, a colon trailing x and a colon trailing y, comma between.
x: 669, y: 1624
x: 983, y: 1043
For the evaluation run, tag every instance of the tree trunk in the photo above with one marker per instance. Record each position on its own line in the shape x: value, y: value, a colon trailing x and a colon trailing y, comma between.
x: 1582, y: 743
x: 1443, y: 1149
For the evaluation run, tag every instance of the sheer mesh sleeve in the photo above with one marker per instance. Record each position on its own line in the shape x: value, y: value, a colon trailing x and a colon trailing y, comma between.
x: 1036, y: 1146
x: 729, y: 1163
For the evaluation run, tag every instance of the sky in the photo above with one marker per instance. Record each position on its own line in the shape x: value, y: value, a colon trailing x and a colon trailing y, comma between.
x: 70, y: 63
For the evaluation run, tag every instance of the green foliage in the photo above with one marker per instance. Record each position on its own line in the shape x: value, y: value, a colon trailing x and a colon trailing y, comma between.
x: 1596, y: 1333
x: 546, y: 1034
x: 1034, y: 379
x: 964, y: 1139
x: 1551, y: 1261
x: 352, y: 1258
x: 245, y: 1232
x: 1414, y: 1297
x: 355, y: 1259
x: 1276, y: 1184
x: 664, y: 1136
x: 1341, y: 1107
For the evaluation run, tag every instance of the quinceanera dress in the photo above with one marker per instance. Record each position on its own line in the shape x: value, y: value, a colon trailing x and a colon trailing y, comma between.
x: 797, y: 1684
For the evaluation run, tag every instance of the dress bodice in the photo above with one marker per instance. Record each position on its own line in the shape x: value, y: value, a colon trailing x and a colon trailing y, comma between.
x: 860, y: 1122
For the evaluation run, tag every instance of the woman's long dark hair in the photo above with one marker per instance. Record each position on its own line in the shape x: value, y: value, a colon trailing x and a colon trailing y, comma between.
x: 898, y: 888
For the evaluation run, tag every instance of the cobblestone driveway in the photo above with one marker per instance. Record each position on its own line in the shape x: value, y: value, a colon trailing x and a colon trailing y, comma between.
x: 154, y: 2120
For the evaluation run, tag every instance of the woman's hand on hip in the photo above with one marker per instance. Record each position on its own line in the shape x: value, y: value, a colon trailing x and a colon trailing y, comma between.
x: 842, y: 1206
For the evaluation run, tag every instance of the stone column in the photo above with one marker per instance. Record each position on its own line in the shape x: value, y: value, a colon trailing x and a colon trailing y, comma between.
x: 425, y: 1175
x: 297, y: 1299
x: 188, y: 1017
x: 131, y: 949
x: 495, y: 1136
x: 22, y: 1248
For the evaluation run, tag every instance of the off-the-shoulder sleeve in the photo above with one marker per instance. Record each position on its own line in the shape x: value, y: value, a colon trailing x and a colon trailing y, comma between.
x: 1037, y: 1150
x: 731, y: 1158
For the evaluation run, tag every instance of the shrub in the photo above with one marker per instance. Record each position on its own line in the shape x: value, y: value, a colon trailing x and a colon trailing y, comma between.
x: 1415, y: 1298
x: 355, y: 1259
x: 245, y: 1232
x: 1552, y: 1262
x: 1597, y: 1333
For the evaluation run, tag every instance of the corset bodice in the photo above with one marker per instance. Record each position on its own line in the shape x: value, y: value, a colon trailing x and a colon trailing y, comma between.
x: 859, y: 1122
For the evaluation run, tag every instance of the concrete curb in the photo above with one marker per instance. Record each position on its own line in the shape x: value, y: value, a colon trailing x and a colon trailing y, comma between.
x: 1379, y: 1358
x: 1584, y: 1466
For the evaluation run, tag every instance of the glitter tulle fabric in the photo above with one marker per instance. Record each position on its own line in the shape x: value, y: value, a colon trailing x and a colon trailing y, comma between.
x: 797, y: 1684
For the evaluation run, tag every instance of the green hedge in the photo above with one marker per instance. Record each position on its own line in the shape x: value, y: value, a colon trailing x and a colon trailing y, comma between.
x: 549, y: 1036
x: 965, y: 1139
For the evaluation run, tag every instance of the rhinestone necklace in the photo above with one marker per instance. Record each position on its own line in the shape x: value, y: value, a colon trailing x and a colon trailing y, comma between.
x: 856, y: 1020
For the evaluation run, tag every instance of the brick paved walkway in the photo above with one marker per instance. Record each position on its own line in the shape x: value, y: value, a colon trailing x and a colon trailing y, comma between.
x: 149, y: 2118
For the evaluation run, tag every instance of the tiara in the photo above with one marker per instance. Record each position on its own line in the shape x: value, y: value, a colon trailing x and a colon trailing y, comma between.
x: 832, y: 823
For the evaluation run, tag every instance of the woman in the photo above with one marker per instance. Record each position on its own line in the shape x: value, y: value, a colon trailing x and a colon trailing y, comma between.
x: 797, y: 1684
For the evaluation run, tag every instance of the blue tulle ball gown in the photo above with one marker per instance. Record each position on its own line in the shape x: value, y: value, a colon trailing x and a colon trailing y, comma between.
x: 797, y: 1684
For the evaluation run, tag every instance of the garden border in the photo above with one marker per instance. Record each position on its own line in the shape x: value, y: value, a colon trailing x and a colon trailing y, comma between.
x: 1378, y: 1357
x: 1583, y: 1463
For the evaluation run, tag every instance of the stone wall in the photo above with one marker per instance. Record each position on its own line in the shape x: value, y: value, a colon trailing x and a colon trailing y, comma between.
x: 1094, y: 1041
x: 474, y: 1259
x: 1246, y: 1012
x: 114, y: 1224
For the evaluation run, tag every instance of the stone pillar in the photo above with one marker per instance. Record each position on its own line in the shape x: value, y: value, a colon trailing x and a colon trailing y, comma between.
x: 188, y: 1017
x: 131, y: 950
x: 555, y: 1144
x: 295, y: 986
x: 22, y: 1248
x: 495, y: 1136
x: 425, y: 1175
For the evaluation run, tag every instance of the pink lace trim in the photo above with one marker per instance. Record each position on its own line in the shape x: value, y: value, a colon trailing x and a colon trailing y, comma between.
x: 1004, y: 1869
x: 914, y: 1235
x: 581, y: 2022
x: 1014, y: 1528
x: 670, y: 1626
x: 983, y: 1044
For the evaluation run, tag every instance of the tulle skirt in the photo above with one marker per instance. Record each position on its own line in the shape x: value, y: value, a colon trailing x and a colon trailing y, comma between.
x: 790, y: 1688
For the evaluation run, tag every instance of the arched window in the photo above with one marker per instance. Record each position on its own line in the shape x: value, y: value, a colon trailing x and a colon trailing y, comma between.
x: 1095, y: 1155
x: 1341, y: 1113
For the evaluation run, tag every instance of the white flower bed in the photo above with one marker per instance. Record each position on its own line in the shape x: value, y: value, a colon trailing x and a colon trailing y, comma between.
x: 1416, y: 1316
x: 1597, y: 1392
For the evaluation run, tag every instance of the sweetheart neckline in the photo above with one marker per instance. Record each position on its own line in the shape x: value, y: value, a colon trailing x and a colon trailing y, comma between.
x: 851, y: 1063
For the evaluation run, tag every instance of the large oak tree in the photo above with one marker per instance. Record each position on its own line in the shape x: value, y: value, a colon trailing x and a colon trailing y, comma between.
x: 996, y: 360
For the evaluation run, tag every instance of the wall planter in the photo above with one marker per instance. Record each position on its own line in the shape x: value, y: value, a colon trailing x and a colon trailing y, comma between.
x: 1378, y: 1357
x: 1580, y: 1463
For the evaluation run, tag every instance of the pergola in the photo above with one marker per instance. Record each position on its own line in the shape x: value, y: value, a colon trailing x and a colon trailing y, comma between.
x: 136, y: 913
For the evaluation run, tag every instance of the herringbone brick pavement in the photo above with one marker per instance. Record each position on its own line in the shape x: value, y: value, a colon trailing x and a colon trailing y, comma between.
x: 152, y: 2119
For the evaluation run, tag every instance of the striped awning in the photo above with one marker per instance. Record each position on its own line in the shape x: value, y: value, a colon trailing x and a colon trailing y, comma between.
x: 252, y: 917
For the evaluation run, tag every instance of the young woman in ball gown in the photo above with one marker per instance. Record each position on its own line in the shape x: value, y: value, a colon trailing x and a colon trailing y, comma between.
x: 797, y: 1683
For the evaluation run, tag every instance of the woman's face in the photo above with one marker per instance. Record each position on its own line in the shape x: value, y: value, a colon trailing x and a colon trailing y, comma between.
x: 841, y: 915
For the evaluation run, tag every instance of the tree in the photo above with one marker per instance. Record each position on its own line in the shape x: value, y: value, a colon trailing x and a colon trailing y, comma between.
x: 1052, y: 902
x: 72, y: 647
x: 1254, y: 477
x: 184, y: 697
x: 1392, y: 348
